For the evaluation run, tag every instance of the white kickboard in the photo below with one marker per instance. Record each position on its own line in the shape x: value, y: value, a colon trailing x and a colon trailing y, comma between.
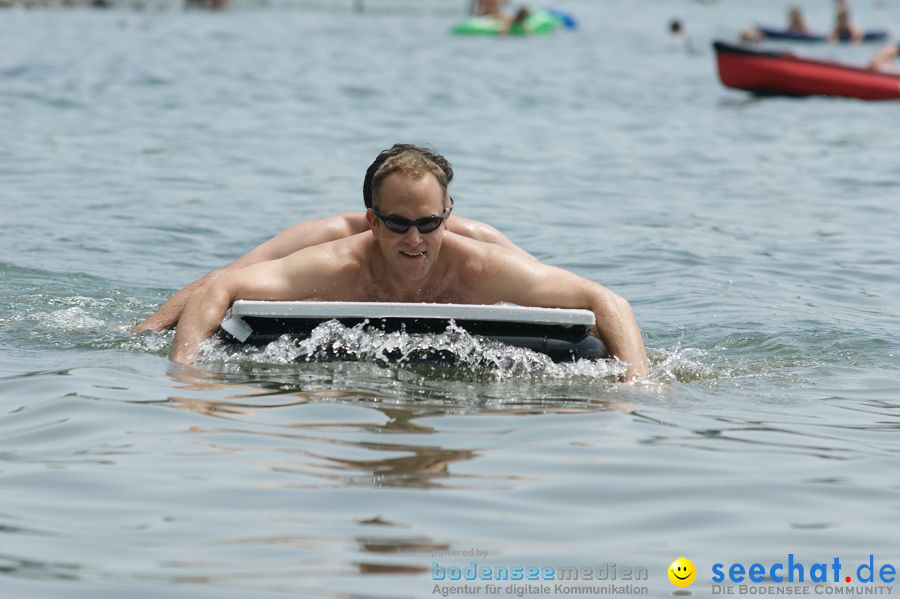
x: 494, y: 312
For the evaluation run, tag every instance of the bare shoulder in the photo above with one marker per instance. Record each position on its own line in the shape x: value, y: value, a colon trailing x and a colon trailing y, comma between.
x: 464, y: 248
x: 329, y: 228
x: 477, y: 258
x: 328, y: 271
x: 476, y: 229
x: 468, y: 227
x: 488, y: 274
x: 340, y: 254
x: 350, y: 223
x: 480, y: 231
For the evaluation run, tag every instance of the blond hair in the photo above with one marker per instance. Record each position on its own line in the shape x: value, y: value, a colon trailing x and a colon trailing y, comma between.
x: 413, y: 162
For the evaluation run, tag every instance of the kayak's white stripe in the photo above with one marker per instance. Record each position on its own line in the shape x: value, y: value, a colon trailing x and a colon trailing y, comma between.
x: 504, y: 313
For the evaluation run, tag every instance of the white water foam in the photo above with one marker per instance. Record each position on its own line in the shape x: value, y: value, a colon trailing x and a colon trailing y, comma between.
x: 454, y: 345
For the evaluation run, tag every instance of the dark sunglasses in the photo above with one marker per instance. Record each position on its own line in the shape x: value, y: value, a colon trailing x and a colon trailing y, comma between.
x: 398, y: 224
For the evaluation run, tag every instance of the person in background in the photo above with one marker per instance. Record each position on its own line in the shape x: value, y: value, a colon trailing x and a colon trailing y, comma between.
x: 675, y: 28
x: 492, y: 9
x: 486, y: 8
x: 677, y: 34
x: 796, y: 22
x: 844, y: 30
x: 518, y: 20
x: 883, y: 60
x: 796, y: 25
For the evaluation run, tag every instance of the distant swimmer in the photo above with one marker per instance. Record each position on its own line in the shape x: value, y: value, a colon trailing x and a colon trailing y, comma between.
x: 408, y: 255
x: 676, y: 29
x: 884, y: 59
x: 487, y: 8
x: 844, y: 30
x: 492, y: 9
x: 796, y: 25
x: 676, y: 32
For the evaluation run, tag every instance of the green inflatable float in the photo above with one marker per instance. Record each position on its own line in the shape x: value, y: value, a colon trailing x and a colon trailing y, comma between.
x: 539, y: 22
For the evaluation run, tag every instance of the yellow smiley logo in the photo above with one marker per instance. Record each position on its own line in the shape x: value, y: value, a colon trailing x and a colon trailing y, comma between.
x: 682, y: 572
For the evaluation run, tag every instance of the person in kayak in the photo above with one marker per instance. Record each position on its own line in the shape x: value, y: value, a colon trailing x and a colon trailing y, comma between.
x: 407, y: 255
x: 796, y: 26
x: 844, y: 30
x: 796, y: 23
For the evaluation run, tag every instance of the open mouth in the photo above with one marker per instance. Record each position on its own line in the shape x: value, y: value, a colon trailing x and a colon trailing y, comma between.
x: 412, y: 254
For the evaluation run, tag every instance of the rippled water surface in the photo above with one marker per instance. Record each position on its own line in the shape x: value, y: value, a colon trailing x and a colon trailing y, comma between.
x: 757, y: 239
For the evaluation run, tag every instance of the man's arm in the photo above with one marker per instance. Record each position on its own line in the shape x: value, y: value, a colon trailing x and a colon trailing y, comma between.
x: 298, y: 237
x: 200, y: 317
x: 292, y: 239
x: 481, y: 231
x: 206, y: 307
x: 507, y: 277
x: 314, y: 272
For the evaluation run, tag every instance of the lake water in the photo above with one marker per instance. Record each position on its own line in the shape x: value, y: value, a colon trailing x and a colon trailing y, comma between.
x: 757, y: 240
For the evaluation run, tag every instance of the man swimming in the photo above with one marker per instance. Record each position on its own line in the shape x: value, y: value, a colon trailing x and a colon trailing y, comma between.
x: 310, y: 233
x: 408, y: 255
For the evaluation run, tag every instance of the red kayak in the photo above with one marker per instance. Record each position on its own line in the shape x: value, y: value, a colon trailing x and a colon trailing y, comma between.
x: 783, y: 73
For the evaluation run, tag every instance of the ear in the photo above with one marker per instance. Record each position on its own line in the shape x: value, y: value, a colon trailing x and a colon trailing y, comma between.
x: 371, y: 220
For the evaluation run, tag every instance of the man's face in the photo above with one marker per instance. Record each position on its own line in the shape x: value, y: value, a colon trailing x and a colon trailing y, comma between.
x: 410, y: 255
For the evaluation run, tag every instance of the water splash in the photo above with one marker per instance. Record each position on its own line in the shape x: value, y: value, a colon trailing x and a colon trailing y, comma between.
x: 69, y: 319
x: 74, y: 318
x: 105, y: 323
x: 78, y: 321
x: 454, y: 346
x: 685, y: 365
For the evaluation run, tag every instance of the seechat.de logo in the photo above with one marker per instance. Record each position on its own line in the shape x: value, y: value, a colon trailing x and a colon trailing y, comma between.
x: 682, y: 572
